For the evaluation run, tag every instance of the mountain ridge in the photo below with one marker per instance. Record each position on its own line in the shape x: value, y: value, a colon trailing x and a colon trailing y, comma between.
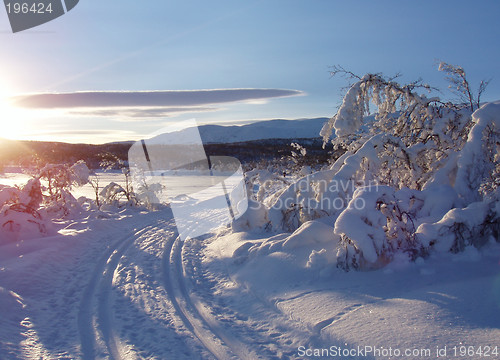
x: 260, y: 130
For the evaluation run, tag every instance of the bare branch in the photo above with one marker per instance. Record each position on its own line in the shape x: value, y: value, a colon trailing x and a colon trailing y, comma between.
x: 338, y: 69
x: 460, y: 86
x: 482, y: 87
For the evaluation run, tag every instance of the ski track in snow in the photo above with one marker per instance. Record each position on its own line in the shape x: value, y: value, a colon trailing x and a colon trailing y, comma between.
x: 99, y: 286
x: 109, y: 327
x: 339, y: 316
x: 194, y: 313
x: 232, y: 328
x: 97, y: 325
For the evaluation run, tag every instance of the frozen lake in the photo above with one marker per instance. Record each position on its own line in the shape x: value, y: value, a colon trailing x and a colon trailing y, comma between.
x: 174, y: 184
x: 14, y: 177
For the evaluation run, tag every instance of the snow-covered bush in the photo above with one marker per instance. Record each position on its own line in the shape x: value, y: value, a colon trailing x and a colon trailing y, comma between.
x: 263, y: 183
x: 28, y: 211
x: 20, y: 216
x: 478, y: 162
x: 111, y: 194
x: 322, y: 193
x: 416, y: 145
x: 137, y: 191
x: 255, y: 217
x: 60, y: 179
x: 460, y: 86
x: 309, y: 244
x: 377, y: 224
x: 146, y: 191
x: 95, y: 182
x: 419, y: 132
x: 473, y: 225
x: 117, y: 195
x: 475, y: 178
x: 298, y: 158
x: 415, y: 163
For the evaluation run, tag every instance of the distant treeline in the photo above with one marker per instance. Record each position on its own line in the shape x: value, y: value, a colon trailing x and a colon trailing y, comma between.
x: 29, y: 153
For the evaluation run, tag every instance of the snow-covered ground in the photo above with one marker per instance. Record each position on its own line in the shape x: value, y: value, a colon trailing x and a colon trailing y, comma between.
x: 126, y: 287
x: 446, y: 300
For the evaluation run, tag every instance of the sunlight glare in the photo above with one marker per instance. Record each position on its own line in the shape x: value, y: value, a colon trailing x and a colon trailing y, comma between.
x: 10, y: 118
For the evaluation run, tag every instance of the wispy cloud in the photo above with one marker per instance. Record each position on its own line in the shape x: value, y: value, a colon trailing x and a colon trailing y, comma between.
x: 133, y: 114
x: 82, y: 136
x: 81, y: 132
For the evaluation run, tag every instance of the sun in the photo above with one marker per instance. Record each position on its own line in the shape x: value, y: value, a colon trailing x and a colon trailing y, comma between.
x: 11, y: 118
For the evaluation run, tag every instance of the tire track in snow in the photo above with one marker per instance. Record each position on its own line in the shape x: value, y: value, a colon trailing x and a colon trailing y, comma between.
x: 193, y: 313
x: 101, y: 280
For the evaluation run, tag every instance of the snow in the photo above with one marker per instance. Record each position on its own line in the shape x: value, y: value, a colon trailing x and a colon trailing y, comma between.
x: 310, y: 233
x: 349, y: 117
x: 381, y: 308
x: 471, y: 162
x: 80, y: 173
x: 126, y: 287
x: 441, y: 233
x: 255, y: 217
x: 270, y: 129
x: 437, y: 201
x: 362, y: 224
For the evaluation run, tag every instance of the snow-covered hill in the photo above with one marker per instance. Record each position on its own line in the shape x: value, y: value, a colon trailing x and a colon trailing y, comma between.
x: 271, y: 129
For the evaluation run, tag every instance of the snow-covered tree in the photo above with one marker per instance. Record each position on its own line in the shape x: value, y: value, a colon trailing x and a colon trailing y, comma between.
x: 419, y: 132
x: 28, y: 211
x: 414, y: 166
x: 60, y: 179
x: 415, y: 143
x: 20, y: 214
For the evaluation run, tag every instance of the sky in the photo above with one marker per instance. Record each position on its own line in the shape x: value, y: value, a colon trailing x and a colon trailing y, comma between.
x: 120, y: 70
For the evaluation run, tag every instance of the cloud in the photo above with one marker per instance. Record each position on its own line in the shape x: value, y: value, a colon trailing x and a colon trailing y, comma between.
x: 138, y: 105
x: 81, y: 132
x: 147, y: 99
x: 82, y: 136
x: 136, y: 113
x: 70, y: 132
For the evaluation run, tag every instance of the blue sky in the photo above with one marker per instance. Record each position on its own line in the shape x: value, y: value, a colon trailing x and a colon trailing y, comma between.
x: 134, y: 46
